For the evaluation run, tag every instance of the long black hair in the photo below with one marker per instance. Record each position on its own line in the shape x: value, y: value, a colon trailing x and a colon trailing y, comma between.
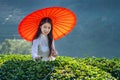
x: 50, y: 36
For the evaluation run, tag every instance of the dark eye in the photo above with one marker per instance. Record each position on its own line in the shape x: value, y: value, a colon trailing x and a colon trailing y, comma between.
x: 45, y: 26
x: 49, y: 27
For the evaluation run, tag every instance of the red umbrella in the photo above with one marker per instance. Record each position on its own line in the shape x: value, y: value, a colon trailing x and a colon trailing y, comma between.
x: 63, y: 19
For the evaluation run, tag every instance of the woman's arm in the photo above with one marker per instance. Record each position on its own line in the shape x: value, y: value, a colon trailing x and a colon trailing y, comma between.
x: 54, y: 51
x: 35, y: 48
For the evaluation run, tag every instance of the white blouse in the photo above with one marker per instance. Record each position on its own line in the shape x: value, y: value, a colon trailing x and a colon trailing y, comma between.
x: 40, y: 48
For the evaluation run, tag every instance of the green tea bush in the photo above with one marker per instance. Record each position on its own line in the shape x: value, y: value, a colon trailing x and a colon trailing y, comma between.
x: 111, y: 66
x: 22, y: 67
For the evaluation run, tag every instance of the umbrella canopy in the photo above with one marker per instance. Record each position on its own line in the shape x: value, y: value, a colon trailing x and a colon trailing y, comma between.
x: 63, y: 20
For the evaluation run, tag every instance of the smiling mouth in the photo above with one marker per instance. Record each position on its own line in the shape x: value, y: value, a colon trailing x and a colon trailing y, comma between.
x: 46, y: 32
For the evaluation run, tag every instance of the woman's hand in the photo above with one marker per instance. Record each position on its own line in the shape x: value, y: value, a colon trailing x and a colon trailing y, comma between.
x: 38, y: 58
x: 54, y: 53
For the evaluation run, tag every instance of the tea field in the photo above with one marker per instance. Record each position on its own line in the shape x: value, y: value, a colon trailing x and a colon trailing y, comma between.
x: 22, y: 67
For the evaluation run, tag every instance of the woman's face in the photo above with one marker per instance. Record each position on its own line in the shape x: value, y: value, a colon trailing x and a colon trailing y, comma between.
x: 46, y: 28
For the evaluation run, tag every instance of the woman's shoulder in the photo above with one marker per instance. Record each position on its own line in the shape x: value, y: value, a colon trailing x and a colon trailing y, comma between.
x: 35, y: 40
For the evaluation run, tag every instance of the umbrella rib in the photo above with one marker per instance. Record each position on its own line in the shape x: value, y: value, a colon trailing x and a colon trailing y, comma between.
x: 57, y: 11
x: 28, y: 29
x: 56, y: 33
x: 30, y: 33
x: 64, y: 22
x: 38, y: 15
x: 69, y: 18
x: 63, y: 27
x: 52, y: 12
x: 63, y: 13
x: 67, y: 15
x: 64, y: 33
x: 60, y: 30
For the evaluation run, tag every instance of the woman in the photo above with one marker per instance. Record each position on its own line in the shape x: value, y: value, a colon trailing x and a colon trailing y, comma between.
x: 43, y: 44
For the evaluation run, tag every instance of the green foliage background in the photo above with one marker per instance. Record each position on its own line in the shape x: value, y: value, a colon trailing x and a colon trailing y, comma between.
x: 16, y: 46
x: 22, y: 67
